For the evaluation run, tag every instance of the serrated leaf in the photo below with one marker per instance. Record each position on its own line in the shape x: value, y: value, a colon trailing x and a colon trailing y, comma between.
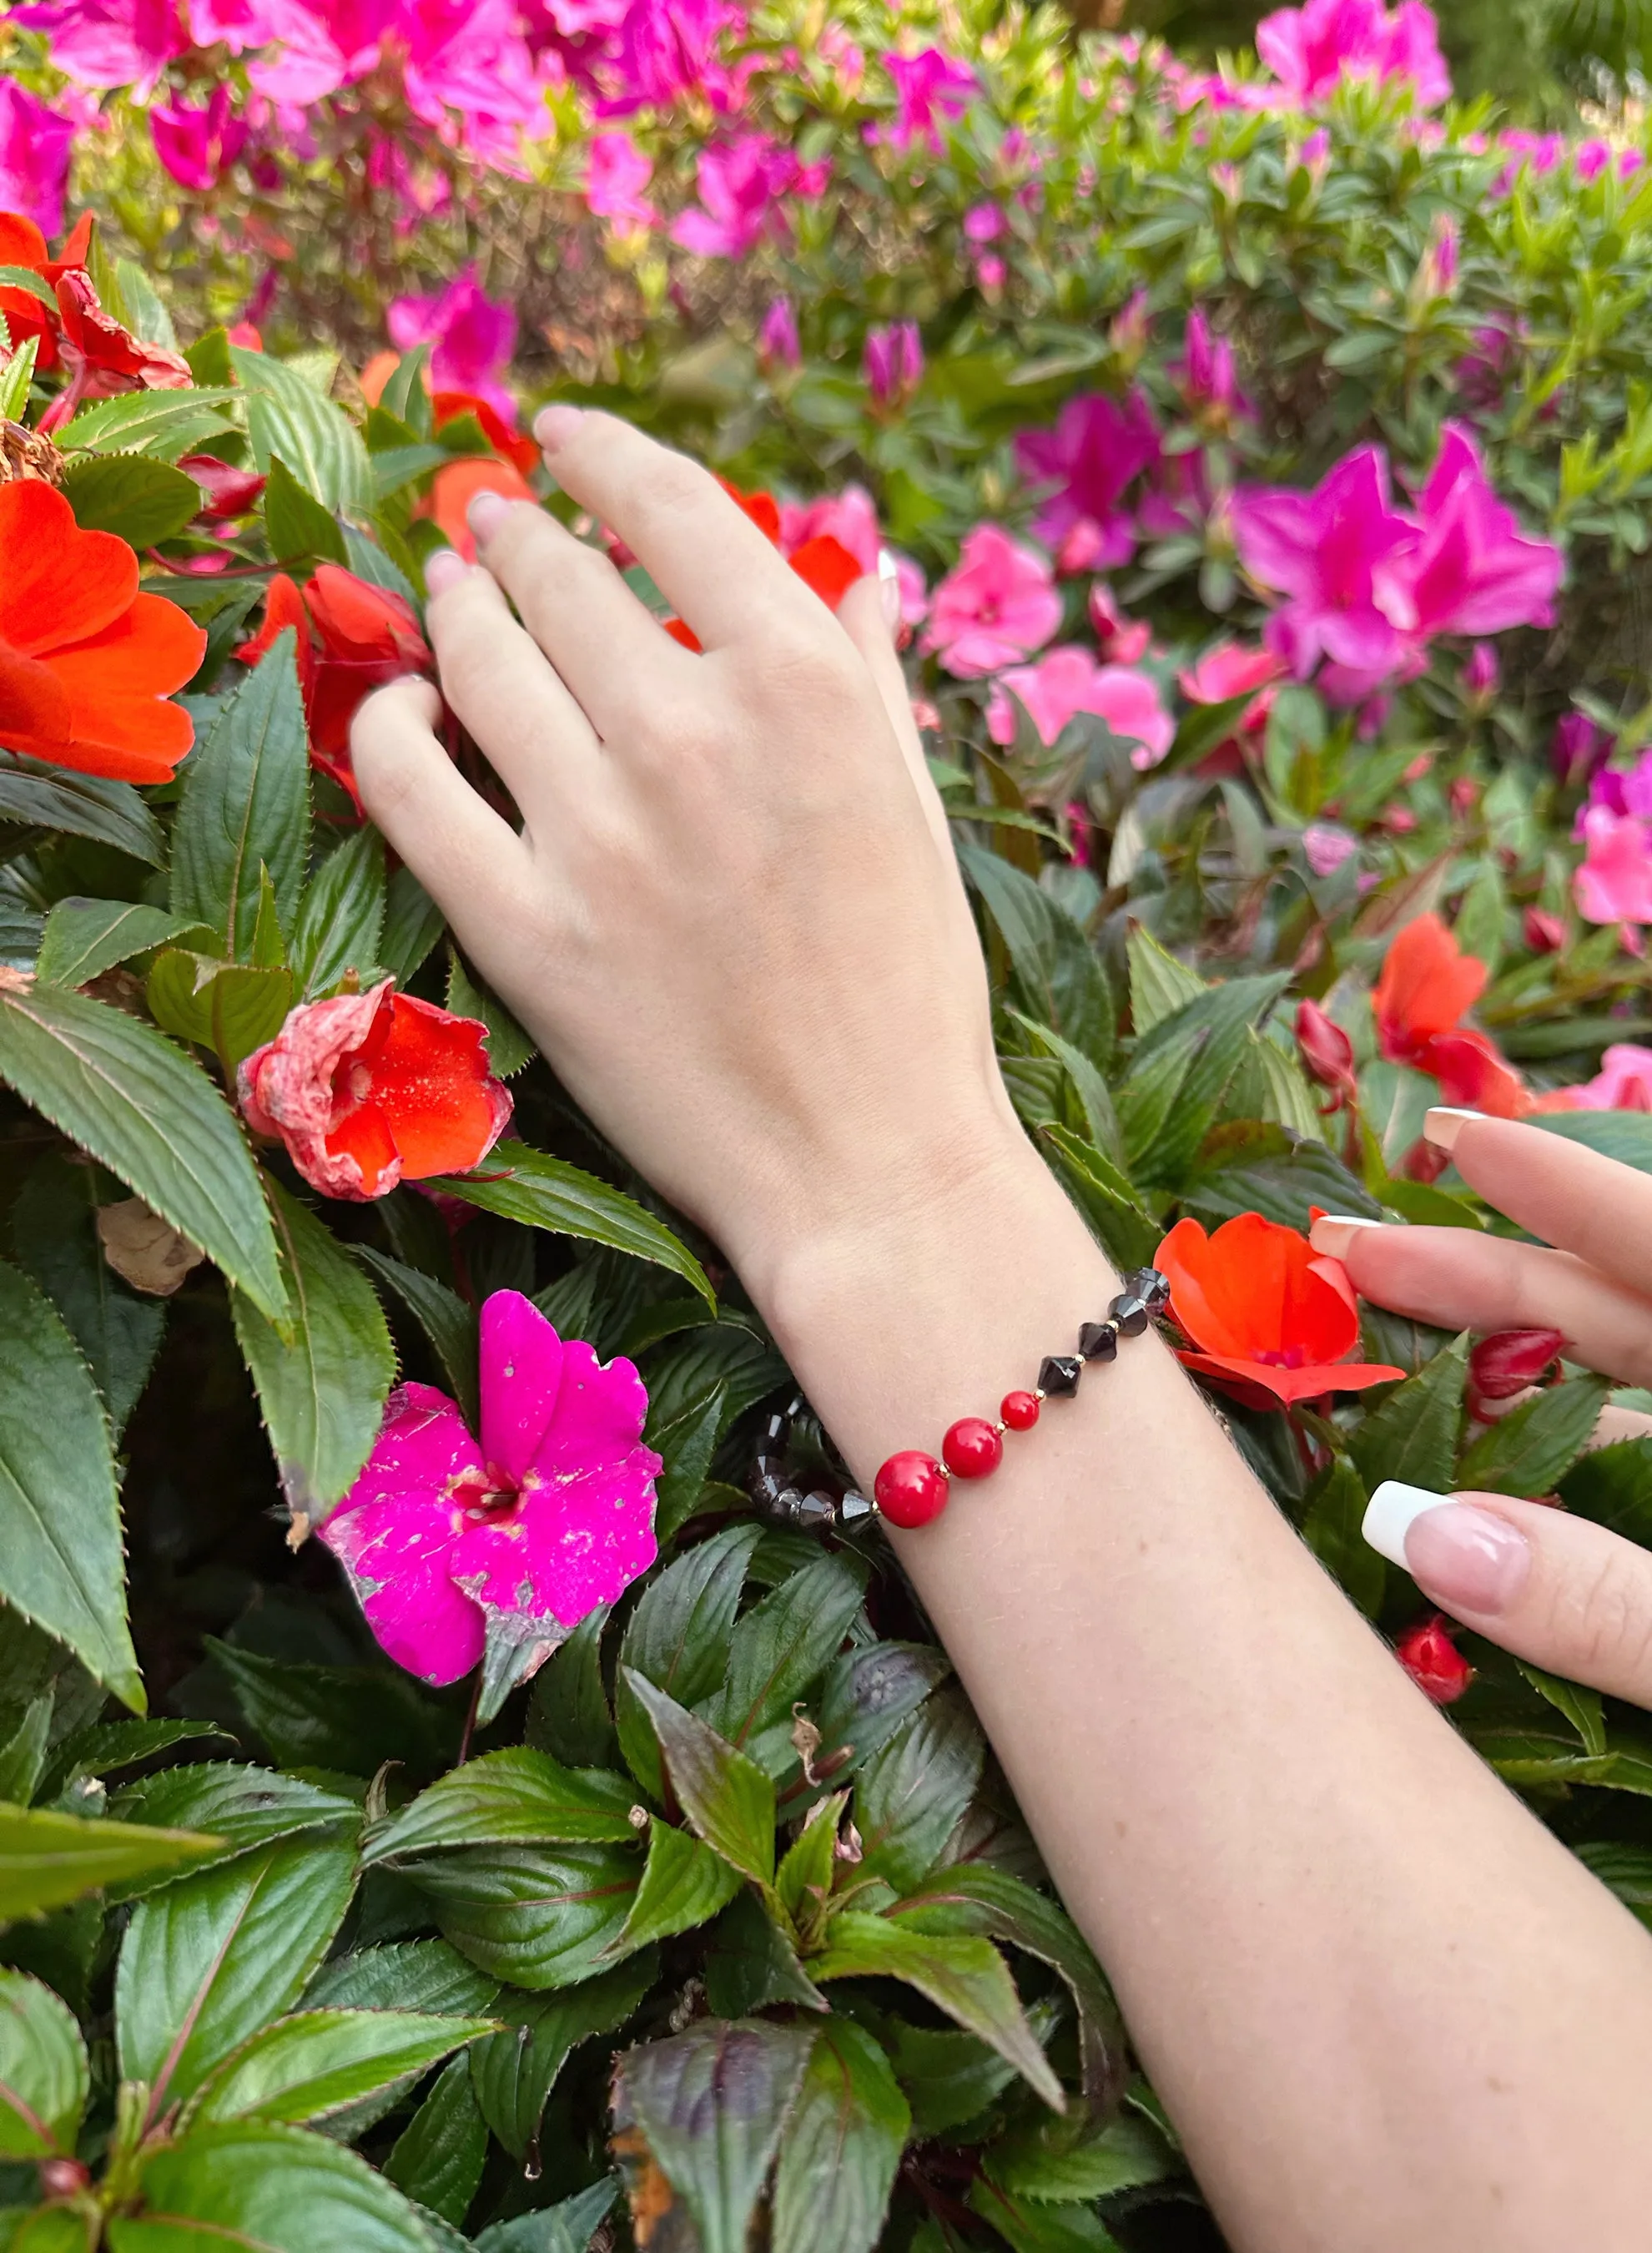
x: 726, y: 1797
x: 314, y: 438
x: 1171, y: 1094
x: 322, y: 1391
x: 17, y: 379
x: 515, y: 2072
x: 1612, y: 1487
x: 1113, y: 1211
x: 299, y: 529
x: 1413, y: 1435
x: 245, y: 806
x: 350, y: 1719
x: 118, y: 1331
x: 1159, y: 983
x: 87, y: 805
x: 866, y: 1696
x: 514, y: 1797
x: 242, y: 1807
x: 22, y: 1751
x: 449, y: 1323
x: 437, y: 2161
x: 231, y: 1008
x: 47, y: 1858
x: 207, y: 1961
x: 413, y: 923
x: 1531, y: 1450
x: 423, y: 1976
x: 249, y: 2188
x: 912, y: 1795
x: 1051, y: 2163
x: 106, y: 1746
x: 536, y: 1916
x: 1582, y: 1707
x: 60, y: 1550
x: 752, y: 1963
x: 125, y: 1093
x: 567, y: 2228
x: 843, y: 2141
x: 525, y: 1185
x: 510, y: 1048
x: 1331, y: 1525
x: 139, y: 499
x: 315, y: 2062
x: 1057, y: 972
x: 782, y: 1646
x: 43, y: 2072
x: 679, y: 1638
x: 162, y: 423
x: 685, y: 1884
x: 85, y: 937
x: 340, y: 920
x: 567, y: 1713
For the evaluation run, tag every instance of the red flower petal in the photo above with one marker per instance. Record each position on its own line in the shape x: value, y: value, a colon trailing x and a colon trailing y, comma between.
x: 60, y: 585
x: 34, y: 707
x: 454, y: 488
x: 827, y: 565
x: 432, y: 1084
x: 1427, y: 983
x: 1288, y: 1385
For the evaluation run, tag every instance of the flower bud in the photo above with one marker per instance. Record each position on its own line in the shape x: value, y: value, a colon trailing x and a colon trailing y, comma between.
x: 1482, y: 674
x: 1433, y: 1660
x: 1463, y: 795
x: 778, y: 346
x: 1327, y: 1053
x: 1543, y: 933
x: 1508, y: 1361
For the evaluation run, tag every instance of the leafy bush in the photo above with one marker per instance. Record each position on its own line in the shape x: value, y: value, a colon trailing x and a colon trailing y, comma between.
x: 1272, y: 840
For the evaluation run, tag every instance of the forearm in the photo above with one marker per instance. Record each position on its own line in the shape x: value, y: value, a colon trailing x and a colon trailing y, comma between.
x: 1381, y: 2003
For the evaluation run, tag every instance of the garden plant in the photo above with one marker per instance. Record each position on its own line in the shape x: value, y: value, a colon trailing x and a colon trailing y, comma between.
x: 470, y: 1768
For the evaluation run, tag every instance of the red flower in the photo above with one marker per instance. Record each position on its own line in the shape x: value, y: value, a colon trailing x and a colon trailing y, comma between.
x: 510, y: 445
x: 1506, y: 1363
x: 1543, y: 932
x: 102, y: 358
x: 231, y: 492
x: 85, y: 660
x: 22, y: 244
x: 1427, y: 986
x: 368, y: 1089
x: 824, y: 564
x: 352, y: 637
x: 457, y: 485
x: 1327, y: 1054
x: 1272, y: 1322
x: 1433, y: 1660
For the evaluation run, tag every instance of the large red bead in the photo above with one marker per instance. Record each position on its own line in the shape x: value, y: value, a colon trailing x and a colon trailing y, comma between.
x: 1018, y: 1410
x: 972, y: 1447
x: 911, y: 1489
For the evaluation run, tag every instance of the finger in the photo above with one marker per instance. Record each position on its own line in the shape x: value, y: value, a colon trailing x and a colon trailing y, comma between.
x: 508, y: 694
x: 463, y: 852
x: 709, y: 560
x: 608, y: 647
x: 863, y: 617
x: 1569, y: 1196
x: 1461, y: 1280
x: 1555, y: 1590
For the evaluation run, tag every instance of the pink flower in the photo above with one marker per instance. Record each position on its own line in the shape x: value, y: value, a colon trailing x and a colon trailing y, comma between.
x: 105, y: 43
x: 1096, y: 450
x: 454, y: 1547
x: 1121, y: 640
x: 850, y: 517
x: 1410, y: 51
x: 1437, y: 272
x: 1615, y: 883
x: 740, y: 185
x: 1482, y: 674
x: 1624, y: 1082
x: 34, y: 157
x: 893, y: 364
x: 1579, y: 747
x: 984, y: 223
x: 1231, y: 670
x: 237, y: 25
x: 616, y: 173
x: 1068, y: 681
x: 1205, y: 377
x: 928, y: 87
x: 473, y: 336
x: 197, y: 146
x: 1323, y: 551
x: 779, y: 342
x: 1473, y: 572
x: 998, y: 605
x: 1326, y: 848
x: 1310, y: 50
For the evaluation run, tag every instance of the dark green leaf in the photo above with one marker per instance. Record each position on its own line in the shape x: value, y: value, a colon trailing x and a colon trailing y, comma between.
x: 412, y: 925
x: 537, y: 1916
x: 164, y: 423
x: 241, y: 1807
x: 87, y: 805
x: 912, y: 1795
x: 299, y: 529
x: 841, y: 2147
x: 525, y: 1185
x: 1170, y: 1098
x: 85, y: 937
x: 727, y: 1353
x: 141, y: 500
x: 108, y: 1745
x: 514, y: 1796
x: 44, y: 2074
x: 245, y: 806
x: 22, y: 1751
x: 515, y: 2072
x: 679, y: 1638
x: 341, y: 921
x: 686, y: 1447
x: 47, y: 1858
x: 348, y: 1718
x: 1612, y: 1487
x: 565, y: 2229
x: 752, y: 1963
x: 1032, y: 2229
x: 780, y: 1650
x: 1531, y: 1450
x: 1413, y: 1436
x: 54, y: 1229
x: 1626, y: 1869
x: 684, y: 1885
x: 1284, y: 1187
x: 866, y: 1696
x: 315, y: 2062
x: 439, y: 2156
x: 444, y: 1318
x: 509, y: 1047
x: 1331, y: 1524
x: 414, y: 1974
x: 567, y: 1714
x: 1057, y: 971
x: 247, y: 2188
x: 726, y: 1797
x: 1064, y: 2161
x: 949, y: 2078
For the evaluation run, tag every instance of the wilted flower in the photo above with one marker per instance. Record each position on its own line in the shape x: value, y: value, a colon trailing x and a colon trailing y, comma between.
x: 229, y: 491
x: 1067, y: 682
x: 997, y: 605
x: 35, y: 142
x: 930, y: 88
x: 103, y: 360
x: 1327, y: 1054
x: 1270, y: 1320
x: 453, y: 1544
x: 352, y: 638
x: 1615, y: 883
x: 1095, y: 452
x: 87, y: 662
x: 367, y: 1090
x: 893, y: 364
x: 1433, y: 1660
x: 779, y: 342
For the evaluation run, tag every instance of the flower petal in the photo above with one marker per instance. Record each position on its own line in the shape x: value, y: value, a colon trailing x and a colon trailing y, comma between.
x: 431, y: 1082
x: 1288, y: 1385
x: 60, y: 585
x: 521, y: 1368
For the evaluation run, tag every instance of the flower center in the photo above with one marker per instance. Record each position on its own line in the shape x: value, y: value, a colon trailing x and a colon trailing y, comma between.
x: 1290, y: 1357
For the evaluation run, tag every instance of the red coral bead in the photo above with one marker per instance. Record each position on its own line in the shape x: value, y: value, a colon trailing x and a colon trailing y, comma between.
x: 1018, y: 1410
x: 972, y: 1447
x: 911, y: 1489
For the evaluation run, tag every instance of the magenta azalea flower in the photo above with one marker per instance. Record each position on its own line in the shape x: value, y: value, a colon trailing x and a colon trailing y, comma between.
x: 1324, y: 551
x: 740, y: 185
x: 1615, y: 883
x: 104, y: 43
x: 34, y: 157
x: 473, y: 336
x: 455, y: 1546
x: 779, y: 342
x: 893, y: 363
x: 1098, y: 448
x: 1310, y: 50
x: 197, y: 146
x: 929, y: 86
x: 1473, y: 572
x: 998, y: 605
x: 616, y: 173
x: 1206, y: 377
x: 1067, y: 682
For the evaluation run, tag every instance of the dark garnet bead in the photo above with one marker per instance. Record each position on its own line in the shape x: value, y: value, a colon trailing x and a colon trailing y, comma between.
x: 1018, y: 1410
x: 1151, y: 1287
x: 911, y: 1489
x: 1131, y: 1315
x: 1099, y: 1340
x: 971, y: 1448
x: 1058, y: 1374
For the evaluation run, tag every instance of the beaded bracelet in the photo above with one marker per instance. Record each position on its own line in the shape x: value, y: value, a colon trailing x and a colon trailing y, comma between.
x: 912, y: 1489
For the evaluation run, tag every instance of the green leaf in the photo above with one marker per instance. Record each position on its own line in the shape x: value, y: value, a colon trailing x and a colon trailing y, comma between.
x: 315, y: 2062
x: 1058, y: 972
x: 139, y: 499
x: 125, y: 1093
x: 525, y: 1185
x: 87, y: 805
x: 841, y: 2147
x: 949, y: 2079
x: 413, y: 923
x: 245, y: 806
x: 164, y: 423
x: 352, y: 1719
x: 961, y: 1975
x: 1064, y: 2161
x: 22, y: 1751
x: 47, y: 1858
x: 1612, y: 1487
x: 1032, y: 2229
x: 1331, y: 1524
x: 118, y: 1331
x: 1159, y: 983
x: 243, y: 1807
x: 1413, y: 1436
x: 1531, y: 1450
x: 227, y: 1006
x: 340, y: 920
x: 726, y: 1797
x: 509, y: 1047
x: 567, y: 2228
x: 60, y: 1558
x: 1626, y: 1869
x: 1624, y: 1135
x: 286, y: 416
x: 322, y: 1394
x: 85, y: 937
x: 108, y: 1745
x: 515, y: 2072
x: 912, y: 1795
x: 299, y: 529
x: 679, y: 1638
x: 514, y: 1796
x: 44, y: 2073
x: 16, y: 379
x: 442, y: 1315
x: 24, y: 278
x: 780, y: 1650
x: 1581, y: 1707
x: 752, y: 1963
x: 439, y: 2156
x: 567, y: 1713
x: 684, y: 1885
x: 412, y: 1975
x: 247, y: 2188
x: 709, y: 2107
x: 537, y: 1916
x: 406, y: 395
x: 866, y: 1696
x: 1170, y: 1098
x: 208, y: 1961
x: 804, y: 1878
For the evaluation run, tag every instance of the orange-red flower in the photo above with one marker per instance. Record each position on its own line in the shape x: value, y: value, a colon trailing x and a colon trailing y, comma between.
x: 367, y: 1090
x: 822, y: 563
x: 352, y: 637
x: 22, y: 244
x: 457, y: 485
x: 85, y: 660
x: 1427, y: 985
x: 1271, y: 1321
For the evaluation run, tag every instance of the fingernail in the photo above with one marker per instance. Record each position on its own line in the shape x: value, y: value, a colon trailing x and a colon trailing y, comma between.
x: 554, y: 426
x: 443, y: 569
x: 1442, y: 1127
x: 1332, y: 1232
x: 1468, y: 1558
x: 889, y: 589
x: 487, y: 512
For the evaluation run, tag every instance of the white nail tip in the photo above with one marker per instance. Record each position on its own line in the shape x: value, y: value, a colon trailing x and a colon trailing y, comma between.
x: 1390, y: 1514
x: 1350, y: 1220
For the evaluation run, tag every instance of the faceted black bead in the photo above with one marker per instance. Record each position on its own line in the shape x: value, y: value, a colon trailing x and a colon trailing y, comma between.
x: 816, y: 1512
x: 1151, y: 1287
x: 1058, y: 1374
x: 1099, y: 1340
x: 1131, y: 1315
x: 855, y: 1505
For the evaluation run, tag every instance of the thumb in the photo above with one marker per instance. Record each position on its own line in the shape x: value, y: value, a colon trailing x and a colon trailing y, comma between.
x: 1555, y: 1590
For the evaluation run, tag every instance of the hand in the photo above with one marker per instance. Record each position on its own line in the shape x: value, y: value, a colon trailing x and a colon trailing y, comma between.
x: 1555, y: 1590
x: 731, y: 919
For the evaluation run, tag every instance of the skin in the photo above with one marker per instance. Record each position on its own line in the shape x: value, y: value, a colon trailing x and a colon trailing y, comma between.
x: 1383, y: 2006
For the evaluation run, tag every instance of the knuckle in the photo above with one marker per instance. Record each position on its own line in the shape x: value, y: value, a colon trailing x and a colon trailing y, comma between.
x: 1612, y: 1621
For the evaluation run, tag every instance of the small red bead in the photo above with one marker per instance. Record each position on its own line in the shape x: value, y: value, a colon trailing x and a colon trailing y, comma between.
x: 1018, y: 1410
x: 972, y: 1447
x: 911, y: 1489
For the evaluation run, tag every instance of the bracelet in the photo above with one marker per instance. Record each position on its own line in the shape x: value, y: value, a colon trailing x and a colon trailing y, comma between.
x: 913, y: 1489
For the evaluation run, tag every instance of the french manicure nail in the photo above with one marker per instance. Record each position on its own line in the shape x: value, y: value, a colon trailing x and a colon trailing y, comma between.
x: 1468, y: 1558
x: 487, y: 510
x: 889, y: 589
x: 443, y: 569
x: 554, y: 426
x: 1442, y: 1126
x: 1332, y: 1232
